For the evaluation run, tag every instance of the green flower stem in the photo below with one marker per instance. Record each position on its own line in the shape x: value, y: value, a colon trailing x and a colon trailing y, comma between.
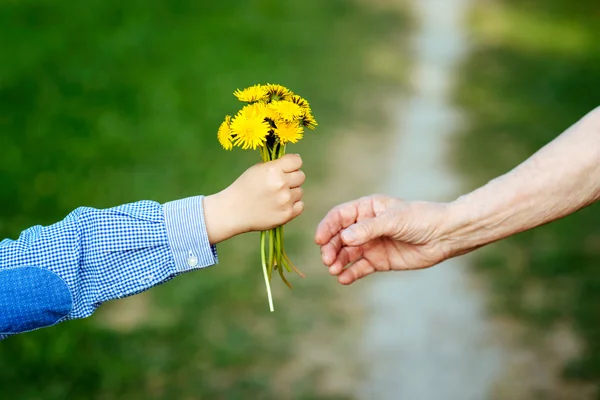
x: 272, y: 250
x: 281, y: 249
x: 283, y: 278
x: 264, y: 267
x: 277, y: 248
x: 271, y: 256
x: 280, y: 258
x: 287, y: 260
x: 263, y: 236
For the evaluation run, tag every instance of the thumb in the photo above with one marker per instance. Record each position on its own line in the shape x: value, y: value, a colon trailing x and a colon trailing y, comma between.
x: 367, y: 230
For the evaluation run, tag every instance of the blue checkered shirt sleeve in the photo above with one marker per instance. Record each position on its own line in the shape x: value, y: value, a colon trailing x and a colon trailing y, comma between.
x: 64, y: 271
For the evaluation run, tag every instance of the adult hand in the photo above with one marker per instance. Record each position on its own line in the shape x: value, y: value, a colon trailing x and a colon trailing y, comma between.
x: 381, y: 233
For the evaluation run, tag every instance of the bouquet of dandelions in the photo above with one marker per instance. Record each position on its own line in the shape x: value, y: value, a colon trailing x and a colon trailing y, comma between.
x: 272, y: 117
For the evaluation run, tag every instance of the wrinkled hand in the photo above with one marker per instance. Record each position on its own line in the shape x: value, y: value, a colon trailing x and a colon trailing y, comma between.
x: 265, y: 196
x: 381, y: 233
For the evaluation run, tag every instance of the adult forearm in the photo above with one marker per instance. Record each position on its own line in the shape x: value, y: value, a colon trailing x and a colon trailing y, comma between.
x: 561, y: 178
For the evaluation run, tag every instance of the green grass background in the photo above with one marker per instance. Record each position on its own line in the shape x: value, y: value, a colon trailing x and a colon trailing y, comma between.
x: 534, y: 72
x: 107, y: 102
x: 104, y: 102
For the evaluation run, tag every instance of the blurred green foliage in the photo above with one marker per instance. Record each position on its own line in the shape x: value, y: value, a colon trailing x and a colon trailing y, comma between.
x: 104, y: 102
x: 534, y: 72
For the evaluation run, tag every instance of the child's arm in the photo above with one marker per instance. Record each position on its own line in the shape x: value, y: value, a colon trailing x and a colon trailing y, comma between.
x: 66, y: 270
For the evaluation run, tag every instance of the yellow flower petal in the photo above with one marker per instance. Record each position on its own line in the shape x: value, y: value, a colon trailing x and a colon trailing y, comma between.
x: 300, y: 101
x: 277, y: 92
x: 289, y: 132
x: 251, y: 94
x: 287, y: 110
x: 225, y: 135
x: 269, y: 112
x: 308, y: 121
x: 252, y: 110
x: 250, y: 132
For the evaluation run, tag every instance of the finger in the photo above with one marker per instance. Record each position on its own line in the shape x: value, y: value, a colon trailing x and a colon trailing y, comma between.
x: 295, y: 178
x: 289, y: 162
x: 367, y: 230
x: 338, y: 218
x: 356, y: 271
x: 346, y: 256
x: 296, y: 194
x: 330, y: 250
x: 297, y: 209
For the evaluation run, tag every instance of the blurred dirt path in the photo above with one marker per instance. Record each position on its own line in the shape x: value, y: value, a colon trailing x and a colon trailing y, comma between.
x: 426, y: 335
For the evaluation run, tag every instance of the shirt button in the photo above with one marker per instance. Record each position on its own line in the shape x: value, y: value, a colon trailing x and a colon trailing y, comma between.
x: 192, y: 260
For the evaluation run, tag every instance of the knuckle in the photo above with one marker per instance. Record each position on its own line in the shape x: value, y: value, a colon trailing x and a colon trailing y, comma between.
x: 273, y: 168
x: 279, y: 185
x: 346, y: 212
x: 276, y: 181
x: 288, y: 213
x: 285, y: 197
x: 269, y: 167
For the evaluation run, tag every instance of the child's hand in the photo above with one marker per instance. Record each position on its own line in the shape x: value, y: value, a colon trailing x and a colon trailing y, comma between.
x: 265, y: 196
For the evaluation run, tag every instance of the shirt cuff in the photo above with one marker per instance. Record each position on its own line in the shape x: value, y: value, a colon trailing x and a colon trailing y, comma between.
x: 187, y: 235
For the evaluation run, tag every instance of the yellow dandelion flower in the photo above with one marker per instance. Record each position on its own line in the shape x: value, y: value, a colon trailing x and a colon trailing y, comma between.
x: 251, y: 94
x: 289, y: 131
x: 259, y: 109
x: 252, y: 110
x: 250, y: 132
x: 225, y: 135
x: 269, y: 112
x: 287, y: 110
x: 300, y: 101
x: 309, y: 121
x: 278, y: 92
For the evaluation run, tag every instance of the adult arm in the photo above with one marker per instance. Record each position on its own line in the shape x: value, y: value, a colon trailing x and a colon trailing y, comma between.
x: 381, y: 233
x: 561, y: 178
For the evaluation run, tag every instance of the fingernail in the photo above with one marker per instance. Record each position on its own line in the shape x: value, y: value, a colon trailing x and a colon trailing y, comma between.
x: 348, y: 236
